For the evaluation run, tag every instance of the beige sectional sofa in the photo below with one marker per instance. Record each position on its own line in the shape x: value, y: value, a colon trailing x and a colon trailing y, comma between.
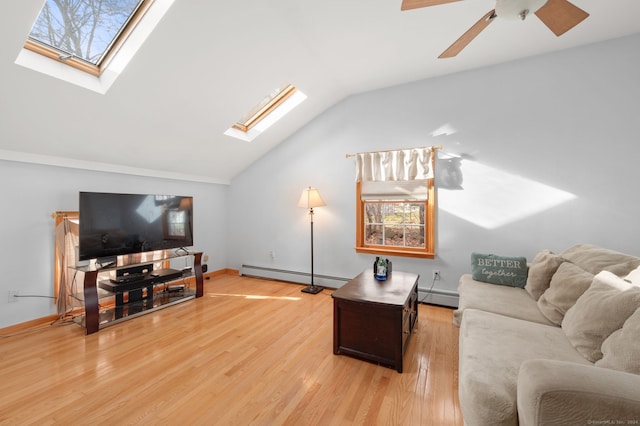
x: 563, y: 350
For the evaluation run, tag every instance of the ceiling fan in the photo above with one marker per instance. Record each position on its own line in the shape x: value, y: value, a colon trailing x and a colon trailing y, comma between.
x: 558, y: 15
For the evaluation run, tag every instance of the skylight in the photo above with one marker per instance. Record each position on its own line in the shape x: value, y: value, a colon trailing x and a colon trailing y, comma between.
x: 84, y: 34
x: 271, y: 109
x: 105, y: 36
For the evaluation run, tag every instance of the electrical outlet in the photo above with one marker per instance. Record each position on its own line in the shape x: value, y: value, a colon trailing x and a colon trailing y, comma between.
x: 436, y: 275
x: 272, y: 253
x: 13, y: 296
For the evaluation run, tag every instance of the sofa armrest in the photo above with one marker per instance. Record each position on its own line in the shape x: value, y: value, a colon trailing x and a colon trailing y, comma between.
x: 561, y: 393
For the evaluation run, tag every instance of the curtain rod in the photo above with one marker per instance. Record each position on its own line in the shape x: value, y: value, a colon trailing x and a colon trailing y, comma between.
x: 63, y: 214
x: 433, y: 148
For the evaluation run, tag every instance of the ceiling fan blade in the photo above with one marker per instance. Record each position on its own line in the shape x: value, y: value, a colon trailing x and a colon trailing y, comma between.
x: 560, y: 16
x: 467, y: 37
x: 415, y: 4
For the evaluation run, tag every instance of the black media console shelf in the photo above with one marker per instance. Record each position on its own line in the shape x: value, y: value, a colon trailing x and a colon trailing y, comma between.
x: 141, y: 297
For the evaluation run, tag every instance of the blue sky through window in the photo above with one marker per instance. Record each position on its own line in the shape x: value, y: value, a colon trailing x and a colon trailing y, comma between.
x: 85, y: 29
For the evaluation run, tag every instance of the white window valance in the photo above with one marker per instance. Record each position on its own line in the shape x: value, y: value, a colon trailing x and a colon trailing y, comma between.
x: 391, y: 166
x: 411, y: 190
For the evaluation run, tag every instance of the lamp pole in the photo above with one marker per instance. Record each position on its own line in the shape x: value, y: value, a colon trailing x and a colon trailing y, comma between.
x: 310, y: 198
x: 311, y: 217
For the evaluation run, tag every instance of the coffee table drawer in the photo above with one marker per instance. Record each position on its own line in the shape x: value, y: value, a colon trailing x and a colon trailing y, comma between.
x: 367, y: 332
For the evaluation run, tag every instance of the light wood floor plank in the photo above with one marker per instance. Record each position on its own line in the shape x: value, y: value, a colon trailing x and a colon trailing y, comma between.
x: 249, y: 352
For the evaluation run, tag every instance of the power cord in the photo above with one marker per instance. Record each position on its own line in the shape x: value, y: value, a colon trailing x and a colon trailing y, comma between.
x: 429, y: 291
x: 182, y: 250
x: 33, y: 295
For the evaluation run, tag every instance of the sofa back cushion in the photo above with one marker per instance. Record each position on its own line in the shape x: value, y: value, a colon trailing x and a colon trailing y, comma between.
x: 595, y: 259
x: 541, y: 269
x: 567, y: 285
x: 600, y: 311
x: 621, y: 350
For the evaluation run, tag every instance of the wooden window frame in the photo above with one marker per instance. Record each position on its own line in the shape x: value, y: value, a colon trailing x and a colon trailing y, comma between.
x: 428, y: 252
x: 262, y: 110
x: 112, y: 50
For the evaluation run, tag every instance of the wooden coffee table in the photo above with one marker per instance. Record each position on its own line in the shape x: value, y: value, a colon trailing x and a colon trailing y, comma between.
x: 373, y: 320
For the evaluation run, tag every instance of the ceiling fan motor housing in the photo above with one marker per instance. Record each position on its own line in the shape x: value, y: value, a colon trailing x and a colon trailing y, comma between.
x: 558, y: 15
x: 517, y: 9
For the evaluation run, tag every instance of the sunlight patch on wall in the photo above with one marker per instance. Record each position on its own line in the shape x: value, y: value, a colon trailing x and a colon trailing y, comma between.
x: 492, y: 198
x: 446, y: 129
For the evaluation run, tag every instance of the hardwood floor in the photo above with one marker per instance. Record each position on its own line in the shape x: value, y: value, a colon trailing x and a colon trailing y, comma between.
x: 249, y: 352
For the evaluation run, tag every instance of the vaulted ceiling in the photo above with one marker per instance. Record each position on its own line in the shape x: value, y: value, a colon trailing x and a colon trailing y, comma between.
x: 208, y: 62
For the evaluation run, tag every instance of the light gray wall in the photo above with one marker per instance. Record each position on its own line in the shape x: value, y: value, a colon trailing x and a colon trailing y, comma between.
x: 31, y: 193
x: 566, y: 122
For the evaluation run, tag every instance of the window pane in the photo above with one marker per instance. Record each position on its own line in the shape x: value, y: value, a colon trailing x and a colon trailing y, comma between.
x: 83, y: 28
x: 373, y: 213
x: 373, y: 234
x: 415, y: 214
x: 394, y: 236
x: 395, y: 224
x: 414, y: 236
x: 393, y: 212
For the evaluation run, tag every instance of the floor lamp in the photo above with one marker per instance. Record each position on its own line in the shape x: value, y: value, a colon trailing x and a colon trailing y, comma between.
x: 309, y: 199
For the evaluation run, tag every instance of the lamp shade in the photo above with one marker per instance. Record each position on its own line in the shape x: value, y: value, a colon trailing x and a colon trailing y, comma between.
x: 310, y: 198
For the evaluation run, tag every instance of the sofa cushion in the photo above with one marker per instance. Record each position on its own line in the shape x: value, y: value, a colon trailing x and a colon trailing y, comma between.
x: 542, y: 268
x: 633, y: 277
x: 563, y: 393
x: 509, y: 301
x: 621, y: 350
x: 595, y: 259
x: 600, y: 311
x: 567, y: 285
x: 501, y: 270
x: 492, y: 348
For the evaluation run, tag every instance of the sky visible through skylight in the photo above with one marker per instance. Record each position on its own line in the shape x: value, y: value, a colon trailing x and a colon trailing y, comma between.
x: 83, y: 28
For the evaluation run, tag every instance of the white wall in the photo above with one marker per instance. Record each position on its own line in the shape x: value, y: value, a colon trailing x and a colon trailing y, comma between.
x: 30, y: 193
x: 528, y: 129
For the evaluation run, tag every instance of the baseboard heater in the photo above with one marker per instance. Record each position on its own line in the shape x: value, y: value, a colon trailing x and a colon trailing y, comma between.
x: 439, y: 297
x: 292, y: 276
x: 434, y: 296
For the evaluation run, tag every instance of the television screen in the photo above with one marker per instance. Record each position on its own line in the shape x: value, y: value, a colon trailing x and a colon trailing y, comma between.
x: 118, y: 224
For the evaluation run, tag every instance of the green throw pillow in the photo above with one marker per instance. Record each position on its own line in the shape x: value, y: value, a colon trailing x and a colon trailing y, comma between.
x: 489, y: 268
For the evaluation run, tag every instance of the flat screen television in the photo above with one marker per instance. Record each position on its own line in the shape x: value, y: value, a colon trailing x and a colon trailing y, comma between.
x: 118, y: 224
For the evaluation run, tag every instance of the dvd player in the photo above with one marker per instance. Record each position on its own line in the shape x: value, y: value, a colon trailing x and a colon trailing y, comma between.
x: 132, y: 281
x: 128, y: 278
x: 165, y: 273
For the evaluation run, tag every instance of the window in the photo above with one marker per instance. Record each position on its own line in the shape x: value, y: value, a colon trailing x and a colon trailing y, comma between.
x: 393, y: 227
x: 84, y: 34
x: 271, y: 109
x: 73, y: 61
x: 395, y: 217
x: 176, y: 224
x: 394, y: 224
